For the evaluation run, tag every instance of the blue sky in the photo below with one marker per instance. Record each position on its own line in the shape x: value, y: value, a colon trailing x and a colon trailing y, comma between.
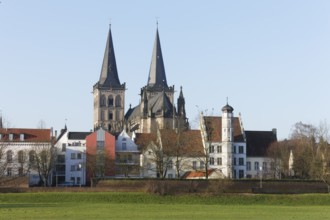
x: 270, y: 58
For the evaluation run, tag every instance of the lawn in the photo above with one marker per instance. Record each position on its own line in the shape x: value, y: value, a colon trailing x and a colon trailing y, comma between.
x: 144, y: 206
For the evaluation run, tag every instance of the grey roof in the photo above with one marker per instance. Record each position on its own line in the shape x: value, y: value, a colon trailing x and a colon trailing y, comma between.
x: 78, y: 135
x: 258, y: 142
x: 227, y: 108
x: 109, y: 75
x: 157, y: 76
x: 156, y: 106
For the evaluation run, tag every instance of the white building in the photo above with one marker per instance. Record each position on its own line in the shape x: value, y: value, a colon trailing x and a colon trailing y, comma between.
x: 232, y: 150
x: 70, y: 166
x: 19, y: 148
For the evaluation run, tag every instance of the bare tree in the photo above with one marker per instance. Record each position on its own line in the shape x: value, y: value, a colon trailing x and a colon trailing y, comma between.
x: 44, y: 161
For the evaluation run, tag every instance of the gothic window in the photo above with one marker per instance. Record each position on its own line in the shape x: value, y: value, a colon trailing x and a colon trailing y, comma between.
x: 102, y: 100
x: 9, y: 156
x: 118, y: 101
x: 110, y: 116
x: 117, y: 114
x: 102, y: 115
x: 110, y: 100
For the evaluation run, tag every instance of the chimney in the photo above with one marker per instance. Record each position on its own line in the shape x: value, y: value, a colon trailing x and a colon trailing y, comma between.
x: 274, y: 130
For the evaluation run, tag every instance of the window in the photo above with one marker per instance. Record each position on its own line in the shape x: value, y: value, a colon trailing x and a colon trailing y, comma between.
x: 241, y: 161
x: 241, y: 149
x: 110, y: 115
x: 110, y: 100
x: 272, y: 165
x: 201, y: 165
x: 9, y: 171
x: 63, y: 147
x: 241, y: 174
x: 21, y: 155
x: 118, y: 101
x: 219, y: 161
x: 73, y: 167
x: 72, y: 179
x: 32, y: 156
x: 169, y: 164
x: 123, y: 146
x: 248, y: 165
x: 102, y: 100
x: 234, y: 173
x: 194, y: 164
x: 211, y: 149
x: 211, y: 161
x: 234, y: 162
x: 219, y: 149
x: 78, y: 180
x: 79, y: 166
x: 73, y: 156
x: 234, y: 149
x: 11, y: 137
x: 21, y: 137
x: 264, y: 166
x: 9, y: 156
x: 102, y: 115
x: 20, y: 171
x: 256, y: 165
x: 79, y: 156
x: 170, y: 176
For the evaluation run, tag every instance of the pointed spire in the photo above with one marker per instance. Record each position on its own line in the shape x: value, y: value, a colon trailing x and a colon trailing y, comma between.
x: 181, y: 104
x: 109, y: 75
x: 157, y: 76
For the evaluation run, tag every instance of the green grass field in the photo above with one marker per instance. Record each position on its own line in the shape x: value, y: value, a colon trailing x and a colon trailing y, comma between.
x: 108, y: 205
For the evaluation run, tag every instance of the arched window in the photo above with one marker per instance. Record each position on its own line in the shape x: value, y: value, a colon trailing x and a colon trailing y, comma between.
x: 32, y: 156
x: 9, y: 156
x: 102, y: 100
x: 21, y: 156
x: 117, y: 115
x: 118, y: 101
x: 109, y: 127
x: 110, y: 100
x: 102, y: 115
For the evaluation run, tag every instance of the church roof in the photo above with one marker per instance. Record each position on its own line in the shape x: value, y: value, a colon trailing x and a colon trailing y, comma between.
x: 258, y: 142
x: 190, y: 142
x: 215, y: 124
x: 156, y: 105
x: 157, y: 76
x: 109, y: 75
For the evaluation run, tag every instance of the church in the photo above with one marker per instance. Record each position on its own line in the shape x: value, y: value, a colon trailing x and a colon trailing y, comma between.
x: 156, y: 108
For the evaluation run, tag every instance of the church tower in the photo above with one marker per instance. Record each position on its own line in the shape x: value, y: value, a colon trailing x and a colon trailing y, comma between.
x: 156, y: 108
x: 227, y: 138
x: 109, y: 94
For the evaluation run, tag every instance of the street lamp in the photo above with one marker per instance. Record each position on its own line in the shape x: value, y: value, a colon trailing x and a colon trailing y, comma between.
x: 80, y: 168
x: 260, y: 168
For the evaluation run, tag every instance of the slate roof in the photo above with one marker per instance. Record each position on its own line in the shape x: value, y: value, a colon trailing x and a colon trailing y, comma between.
x: 109, y: 74
x: 157, y: 76
x: 257, y: 142
x: 156, y: 105
x: 30, y: 135
x: 215, y: 124
x: 78, y: 135
x: 190, y: 142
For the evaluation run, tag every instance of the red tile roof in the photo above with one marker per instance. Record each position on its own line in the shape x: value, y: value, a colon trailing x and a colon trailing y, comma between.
x: 214, y: 123
x: 197, y: 174
x: 30, y: 135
